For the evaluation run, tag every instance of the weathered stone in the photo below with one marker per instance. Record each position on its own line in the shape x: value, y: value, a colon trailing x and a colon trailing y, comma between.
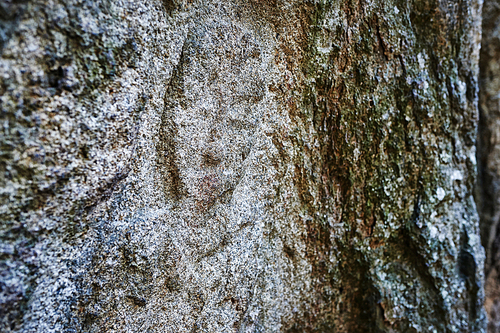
x: 249, y: 166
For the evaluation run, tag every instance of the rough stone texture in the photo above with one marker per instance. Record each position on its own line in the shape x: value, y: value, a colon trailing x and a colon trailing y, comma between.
x: 239, y: 166
x: 488, y: 193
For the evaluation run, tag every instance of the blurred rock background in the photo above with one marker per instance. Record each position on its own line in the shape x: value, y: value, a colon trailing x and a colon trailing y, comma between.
x: 488, y: 189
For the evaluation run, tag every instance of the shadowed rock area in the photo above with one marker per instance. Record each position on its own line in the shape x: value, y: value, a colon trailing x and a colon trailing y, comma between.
x: 239, y: 166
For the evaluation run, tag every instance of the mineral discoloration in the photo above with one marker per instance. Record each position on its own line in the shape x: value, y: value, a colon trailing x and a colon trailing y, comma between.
x: 247, y: 166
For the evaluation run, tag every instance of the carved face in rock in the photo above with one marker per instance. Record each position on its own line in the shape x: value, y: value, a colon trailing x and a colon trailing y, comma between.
x: 211, y: 114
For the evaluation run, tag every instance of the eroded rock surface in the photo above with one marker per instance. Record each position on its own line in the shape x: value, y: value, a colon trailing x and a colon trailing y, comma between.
x: 239, y: 166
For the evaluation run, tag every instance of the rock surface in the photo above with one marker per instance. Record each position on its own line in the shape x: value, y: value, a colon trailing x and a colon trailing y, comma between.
x: 239, y: 166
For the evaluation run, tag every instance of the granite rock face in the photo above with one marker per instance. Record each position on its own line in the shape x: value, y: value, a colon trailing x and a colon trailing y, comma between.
x: 239, y: 166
